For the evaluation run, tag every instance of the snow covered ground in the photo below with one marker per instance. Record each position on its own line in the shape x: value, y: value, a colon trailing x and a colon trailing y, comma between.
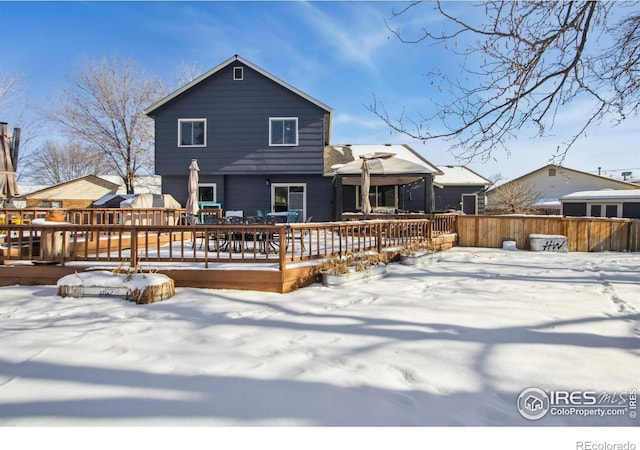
x: 450, y: 344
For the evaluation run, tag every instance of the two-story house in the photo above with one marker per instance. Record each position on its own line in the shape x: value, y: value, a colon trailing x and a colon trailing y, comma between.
x: 260, y: 143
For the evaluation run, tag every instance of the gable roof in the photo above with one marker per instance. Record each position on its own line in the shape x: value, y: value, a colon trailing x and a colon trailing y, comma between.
x: 150, y: 110
x: 622, y: 184
x: 82, y: 189
x: 460, y: 176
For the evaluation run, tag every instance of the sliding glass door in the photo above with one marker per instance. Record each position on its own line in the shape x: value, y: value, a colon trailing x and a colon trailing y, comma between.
x: 290, y: 197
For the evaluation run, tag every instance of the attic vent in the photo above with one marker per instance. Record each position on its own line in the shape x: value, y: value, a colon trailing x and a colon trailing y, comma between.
x: 238, y: 73
x: 552, y: 172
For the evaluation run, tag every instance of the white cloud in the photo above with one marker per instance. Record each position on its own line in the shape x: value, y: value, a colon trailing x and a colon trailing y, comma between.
x: 354, y: 30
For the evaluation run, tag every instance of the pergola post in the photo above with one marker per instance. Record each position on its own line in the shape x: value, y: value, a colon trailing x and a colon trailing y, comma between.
x: 338, y: 199
x: 428, y: 193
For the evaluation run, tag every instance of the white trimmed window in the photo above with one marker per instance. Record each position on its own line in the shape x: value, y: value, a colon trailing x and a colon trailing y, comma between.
x: 238, y: 73
x: 192, y: 132
x: 207, y: 193
x: 283, y: 131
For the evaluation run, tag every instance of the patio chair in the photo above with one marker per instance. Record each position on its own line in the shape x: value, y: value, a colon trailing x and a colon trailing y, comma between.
x: 194, y: 220
x: 300, y: 235
x: 262, y: 238
x: 292, y: 217
x: 219, y: 239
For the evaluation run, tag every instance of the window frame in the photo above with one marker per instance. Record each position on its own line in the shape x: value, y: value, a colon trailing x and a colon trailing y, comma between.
x: 51, y: 203
x: 283, y: 119
x: 303, y: 216
x: 603, y: 209
x: 197, y: 119
x: 240, y: 70
x: 214, y: 188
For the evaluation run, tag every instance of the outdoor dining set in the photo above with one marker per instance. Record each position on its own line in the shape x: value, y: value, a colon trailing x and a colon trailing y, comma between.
x: 237, y: 240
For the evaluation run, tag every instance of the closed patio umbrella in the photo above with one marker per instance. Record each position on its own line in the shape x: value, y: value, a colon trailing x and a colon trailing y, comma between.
x: 365, y: 184
x: 192, y: 207
x: 8, y: 183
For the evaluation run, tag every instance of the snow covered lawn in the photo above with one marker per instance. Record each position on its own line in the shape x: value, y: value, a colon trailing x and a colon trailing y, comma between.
x: 453, y: 343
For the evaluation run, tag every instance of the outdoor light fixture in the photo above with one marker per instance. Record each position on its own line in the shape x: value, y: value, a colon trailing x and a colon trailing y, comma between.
x: 267, y: 182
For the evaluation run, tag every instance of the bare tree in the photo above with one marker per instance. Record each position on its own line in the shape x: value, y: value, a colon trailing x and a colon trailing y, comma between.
x: 522, y: 64
x: 9, y: 86
x: 53, y: 163
x: 515, y: 197
x: 102, y: 110
x: 186, y: 73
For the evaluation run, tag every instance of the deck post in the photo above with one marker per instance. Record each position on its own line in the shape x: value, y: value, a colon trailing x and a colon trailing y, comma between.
x: 134, y: 247
x: 282, y: 246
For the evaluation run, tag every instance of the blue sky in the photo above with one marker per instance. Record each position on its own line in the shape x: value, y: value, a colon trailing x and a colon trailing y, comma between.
x: 340, y: 53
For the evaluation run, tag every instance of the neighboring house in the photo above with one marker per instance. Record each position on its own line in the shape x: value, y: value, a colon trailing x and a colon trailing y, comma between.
x: 259, y: 142
x: 460, y: 189
x: 73, y: 194
x: 551, y: 182
x: 604, y: 203
x: 628, y: 175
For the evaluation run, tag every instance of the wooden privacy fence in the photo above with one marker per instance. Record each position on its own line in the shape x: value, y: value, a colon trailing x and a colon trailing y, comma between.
x: 585, y: 234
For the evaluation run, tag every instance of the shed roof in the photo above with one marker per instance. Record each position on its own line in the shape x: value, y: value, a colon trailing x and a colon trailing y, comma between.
x: 605, y: 194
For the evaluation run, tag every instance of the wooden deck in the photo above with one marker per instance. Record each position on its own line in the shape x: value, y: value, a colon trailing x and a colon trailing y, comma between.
x: 272, y: 258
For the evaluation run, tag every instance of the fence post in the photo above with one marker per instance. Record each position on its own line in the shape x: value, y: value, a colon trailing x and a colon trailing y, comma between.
x: 134, y: 247
x: 282, y: 246
x: 379, y: 238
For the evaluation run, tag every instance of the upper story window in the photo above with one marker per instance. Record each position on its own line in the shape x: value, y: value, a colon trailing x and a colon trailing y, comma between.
x: 192, y: 132
x: 238, y: 73
x: 283, y: 131
x: 552, y: 172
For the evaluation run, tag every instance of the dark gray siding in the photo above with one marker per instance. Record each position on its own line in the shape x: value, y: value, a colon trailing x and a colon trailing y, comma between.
x: 176, y: 185
x: 447, y: 198
x: 450, y: 197
x: 237, y: 114
x: 250, y: 192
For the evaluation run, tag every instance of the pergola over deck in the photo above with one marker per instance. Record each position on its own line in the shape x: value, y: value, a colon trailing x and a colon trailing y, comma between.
x: 385, y: 169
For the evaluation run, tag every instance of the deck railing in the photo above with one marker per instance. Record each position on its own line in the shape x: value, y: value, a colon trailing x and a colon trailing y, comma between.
x: 98, y: 216
x: 204, y: 244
